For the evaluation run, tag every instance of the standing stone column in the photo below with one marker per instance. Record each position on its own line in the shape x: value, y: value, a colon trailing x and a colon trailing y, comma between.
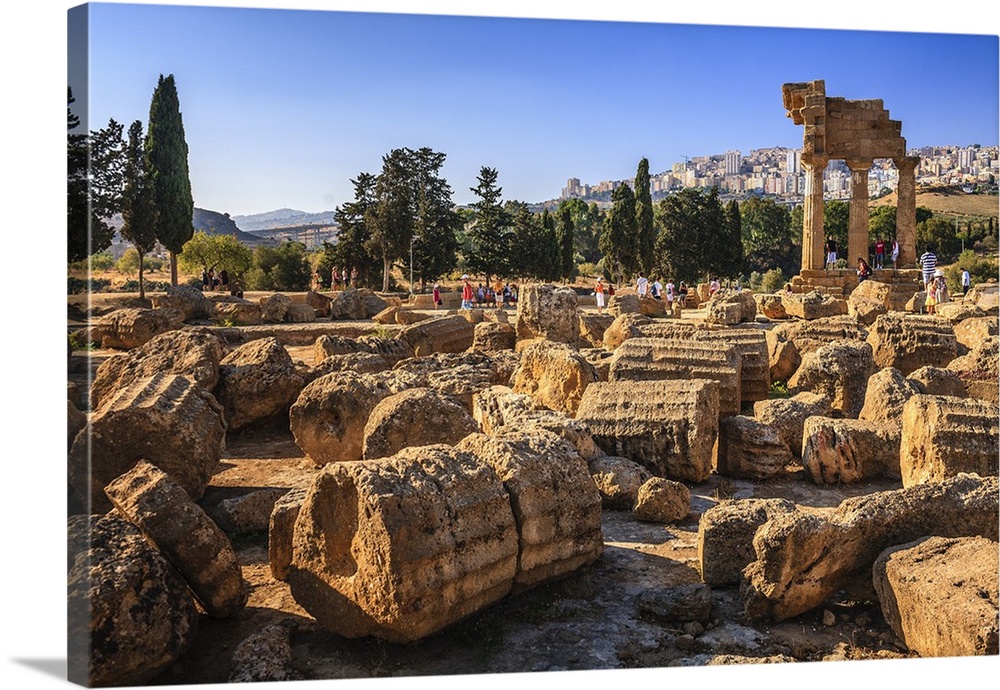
x: 906, y: 211
x: 857, y: 229
x: 813, y: 256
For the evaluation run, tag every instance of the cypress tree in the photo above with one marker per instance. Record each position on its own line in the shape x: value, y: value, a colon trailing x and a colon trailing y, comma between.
x: 618, y: 239
x: 644, y: 219
x: 564, y: 232
x: 138, y: 207
x: 167, y: 153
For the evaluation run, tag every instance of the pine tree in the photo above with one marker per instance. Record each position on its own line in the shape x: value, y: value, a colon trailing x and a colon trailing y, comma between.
x: 390, y: 218
x: 350, y: 250
x: 138, y: 206
x: 490, y: 234
x: 646, y: 234
x: 435, y: 244
x: 167, y: 153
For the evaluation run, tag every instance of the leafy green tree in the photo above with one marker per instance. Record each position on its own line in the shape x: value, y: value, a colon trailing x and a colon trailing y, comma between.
x: 282, y: 268
x: 490, y: 237
x: 836, y: 221
x: 390, y: 219
x: 618, y: 239
x: 350, y: 250
x: 768, y: 236
x: 646, y: 234
x: 940, y: 234
x: 588, y: 222
x: 203, y: 252
x: 129, y: 263
x: 435, y: 243
x: 167, y: 153
x: 981, y: 269
x: 564, y: 236
x: 138, y: 205
x: 692, y: 236
x: 882, y: 223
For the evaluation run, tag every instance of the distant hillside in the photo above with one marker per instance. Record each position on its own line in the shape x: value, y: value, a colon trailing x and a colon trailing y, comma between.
x: 950, y: 200
x: 283, y: 218
x: 215, y: 223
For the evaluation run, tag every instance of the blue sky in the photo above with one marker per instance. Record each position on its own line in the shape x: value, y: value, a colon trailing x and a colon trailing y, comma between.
x: 284, y: 107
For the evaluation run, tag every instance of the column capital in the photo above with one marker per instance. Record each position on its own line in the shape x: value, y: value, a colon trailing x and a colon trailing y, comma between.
x: 906, y: 163
x: 859, y: 164
x: 814, y: 160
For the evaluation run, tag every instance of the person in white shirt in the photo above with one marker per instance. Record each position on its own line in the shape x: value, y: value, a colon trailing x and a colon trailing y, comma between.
x: 713, y: 287
x: 658, y: 289
x: 641, y: 286
x: 669, y: 292
x: 966, y: 282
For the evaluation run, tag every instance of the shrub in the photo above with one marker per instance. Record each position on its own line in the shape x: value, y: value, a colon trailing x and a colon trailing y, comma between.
x: 772, y: 281
x: 78, y: 286
x: 981, y: 269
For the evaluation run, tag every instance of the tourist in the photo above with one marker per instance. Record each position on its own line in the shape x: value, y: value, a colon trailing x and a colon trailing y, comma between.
x: 966, y: 281
x: 657, y: 289
x: 682, y: 293
x: 864, y: 270
x: 506, y: 294
x: 334, y: 279
x: 224, y: 279
x: 354, y: 276
x: 928, y: 264
x: 895, y: 252
x: 641, y: 286
x: 467, y: 293
x: 599, y: 294
x: 713, y: 287
x: 879, y: 253
x: 204, y: 280
x: 513, y: 294
x: 831, y: 253
x: 669, y: 292
x: 211, y: 279
x: 480, y: 295
x: 940, y: 286
x: 436, y: 295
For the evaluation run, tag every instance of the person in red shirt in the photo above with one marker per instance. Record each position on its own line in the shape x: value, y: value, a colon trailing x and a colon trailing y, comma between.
x: 467, y: 293
x: 879, y: 253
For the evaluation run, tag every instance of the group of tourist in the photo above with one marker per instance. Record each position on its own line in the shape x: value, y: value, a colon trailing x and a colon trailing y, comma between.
x: 341, y: 279
x: 212, y: 281
x: 645, y: 289
x: 499, y: 295
x: 880, y: 246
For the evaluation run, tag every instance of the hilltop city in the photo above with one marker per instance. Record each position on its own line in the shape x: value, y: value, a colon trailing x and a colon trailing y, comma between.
x: 778, y: 172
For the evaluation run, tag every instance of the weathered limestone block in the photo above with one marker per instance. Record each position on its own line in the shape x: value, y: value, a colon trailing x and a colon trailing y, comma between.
x: 624, y: 326
x: 392, y: 349
x: 787, y: 416
x: 300, y: 313
x: 498, y: 405
x: 593, y: 326
x: 663, y: 501
x: 355, y: 362
x: 354, y: 304
x: 238, y: 312
x: 473, y: 316
x: 945, y: 436
x: 129, y: 614
x: 248, y: 513
x: 600, y: 359
x: 443, y: 334
x: 256, y: 381
x: 490, y: 336
x: 554, y: 375
x: 670, y: 427
x: 812, y: 335
x: 750, y: 449
x: 188, y: 353
x: 869, y: 300
x: 556, y: 505
x: 937, y: 381
x: 971, y: 332
x: 755, y: 362
x: 415, y: 417
x: 461, y: 375
x: 847, y: 451
x: 148, y: 498
x: 618, y: 481
x: 265, y: 655
x: 812, y: 305
x: 651, y: 307
x: 802, y: 559
x: 885, y: 395
x: 627, y: 303
x: 328, y: 418
x: 319, y: 302
x: 281, y: 531
x: 980, y: 369
x: 124, y: 329
x: 273, y: 307
x: 166, y: 419
x: 189, y: 301
x: 908, y: 342
x: 76, y: 421
x: 729, y: 307
x: 547, y: 311
x: 986, y: 296
x: 940, y: 595
x: 387, y: 315
x: 401, y: 547
x: 783, y: 356
x: 658, y: 359
x: 405, y: 317
x: 770, y: 306
x: 725, y: 536
x: 839, y: 372
x: 665, y: 329
x: 958, y: 311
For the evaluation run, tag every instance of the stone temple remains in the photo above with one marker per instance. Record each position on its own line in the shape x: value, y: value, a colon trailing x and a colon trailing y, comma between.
x: 856, y: 132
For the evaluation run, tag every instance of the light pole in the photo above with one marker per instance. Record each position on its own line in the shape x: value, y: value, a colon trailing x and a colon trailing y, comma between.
x: 412, y: 240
